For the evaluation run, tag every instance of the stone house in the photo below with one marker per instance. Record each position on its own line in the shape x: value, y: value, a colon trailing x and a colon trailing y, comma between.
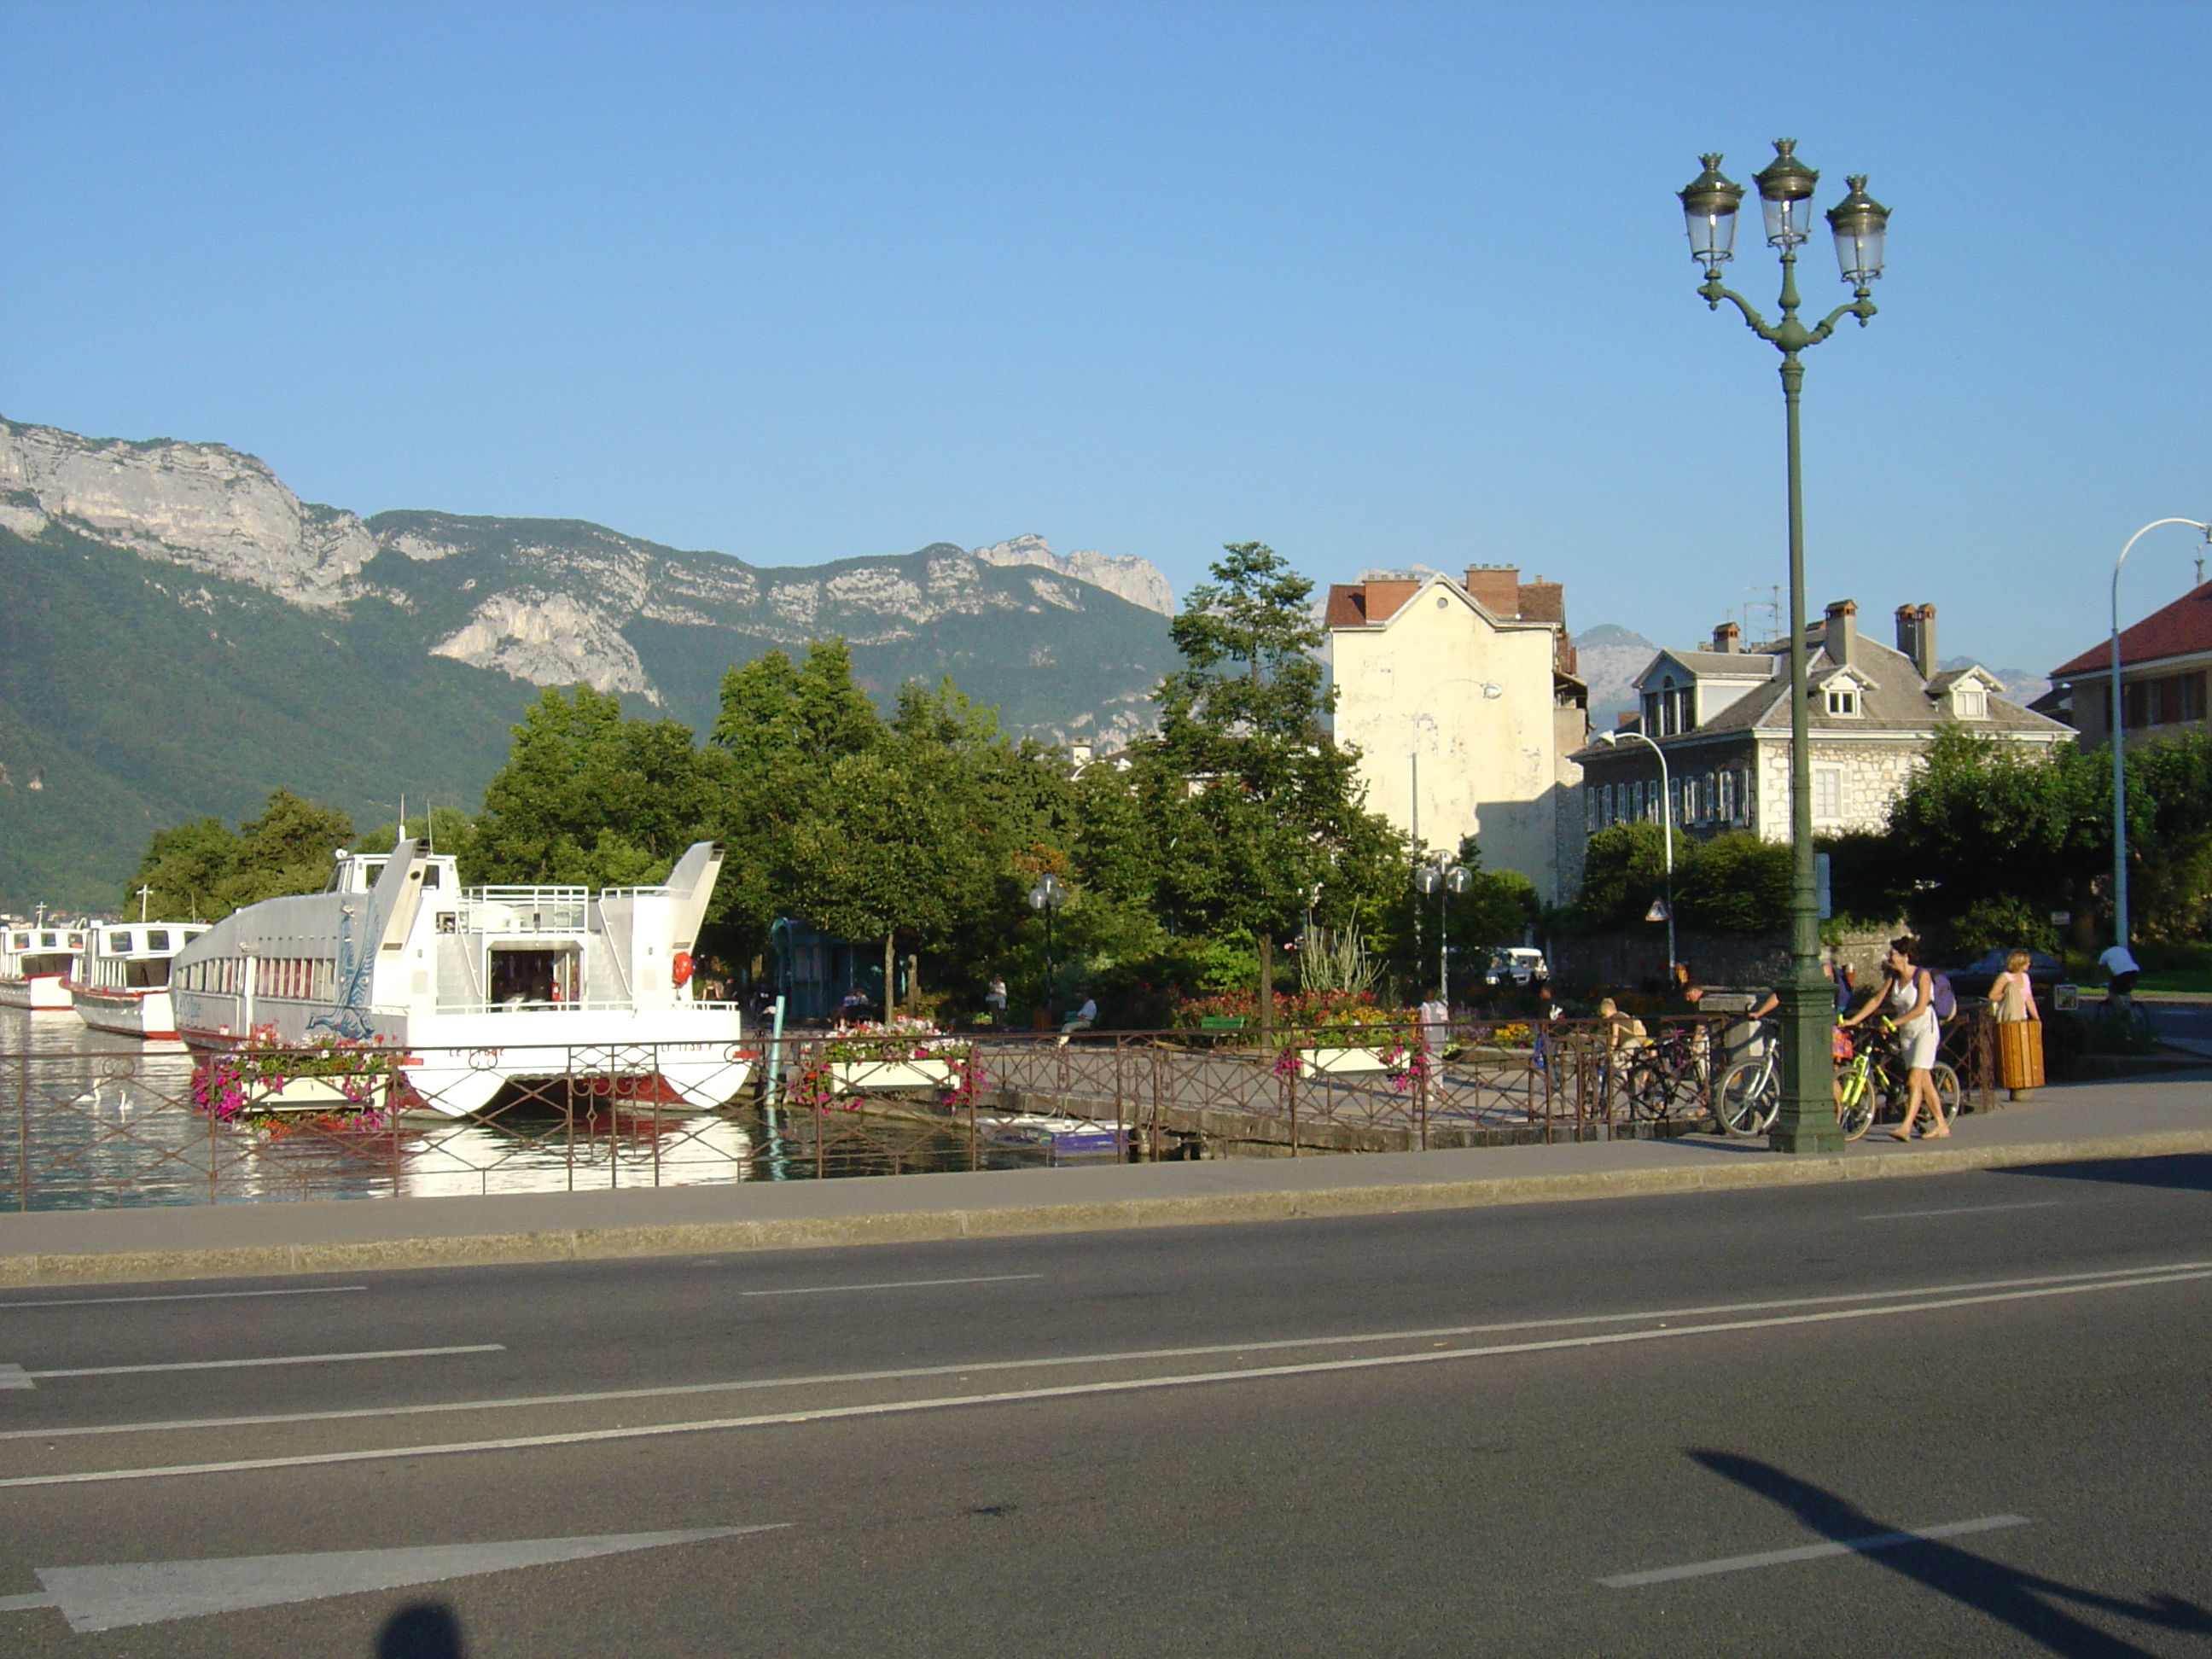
x: 1462, y: 701
x: 2164, y: 659
x: 1721, y: 716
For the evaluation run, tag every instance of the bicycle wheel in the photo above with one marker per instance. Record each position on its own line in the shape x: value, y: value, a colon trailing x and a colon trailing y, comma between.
x: 1856, y: 1114
x: 1749, y: 1096
x: 1946, y: 1088
x: 1649, y: 1092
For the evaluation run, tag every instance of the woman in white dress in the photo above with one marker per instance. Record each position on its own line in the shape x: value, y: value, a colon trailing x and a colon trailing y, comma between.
x: 1911, y: 1003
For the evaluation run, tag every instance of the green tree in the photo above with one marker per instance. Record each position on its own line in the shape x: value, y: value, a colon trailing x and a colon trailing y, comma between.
x: 590, y: 799
x: 202, y: 869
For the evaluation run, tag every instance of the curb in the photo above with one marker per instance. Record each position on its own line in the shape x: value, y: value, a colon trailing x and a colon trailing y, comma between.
x: 599, y: 1243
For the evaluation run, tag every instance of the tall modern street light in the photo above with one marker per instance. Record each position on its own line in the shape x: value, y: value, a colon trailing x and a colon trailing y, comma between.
x: 1807, y: 1120
x: 1666, y: 832
x: 2118, y: 727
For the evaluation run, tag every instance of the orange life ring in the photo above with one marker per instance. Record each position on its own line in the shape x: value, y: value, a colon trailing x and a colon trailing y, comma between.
x: 679, y: 966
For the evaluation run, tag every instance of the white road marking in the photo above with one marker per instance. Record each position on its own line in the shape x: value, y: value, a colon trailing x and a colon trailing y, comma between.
x: 1971, y: 1209
x: 15, y: 1376
x: 278, y: 1360
x: 190, y: 1296
x: 910, y: 1373
x: 893, y: 1285
x: 1880, y: 1540
x: 153, y: 1592
x: 1118, y: 1385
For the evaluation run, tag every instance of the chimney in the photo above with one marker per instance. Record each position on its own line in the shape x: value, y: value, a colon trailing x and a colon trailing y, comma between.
x: 1842, y: 630
x: 1726, y: 638
x: 1384, y: 597
x: 1542, y: 601
x: 1496, y: 588
x: 1916, y: 636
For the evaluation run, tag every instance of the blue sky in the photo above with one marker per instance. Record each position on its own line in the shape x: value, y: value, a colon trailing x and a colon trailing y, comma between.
x: 1377, y: 283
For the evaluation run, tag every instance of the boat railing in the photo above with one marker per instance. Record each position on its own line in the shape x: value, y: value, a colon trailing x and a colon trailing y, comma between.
x: 524, y: 909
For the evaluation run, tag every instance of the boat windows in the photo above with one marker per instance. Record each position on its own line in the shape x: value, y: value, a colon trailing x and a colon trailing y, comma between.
x: 145, y: 974
x: 521, y: 979
x: 429, y: 875
x: 36, y: 967
x: 158, y: 940
x: 119, y: 945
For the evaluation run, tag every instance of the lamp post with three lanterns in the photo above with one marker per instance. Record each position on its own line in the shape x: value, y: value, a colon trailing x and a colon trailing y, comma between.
x: 1807, y: 1120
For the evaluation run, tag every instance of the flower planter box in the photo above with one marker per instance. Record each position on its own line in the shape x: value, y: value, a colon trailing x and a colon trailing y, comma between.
x: 1339, y: 1063
x: 854, y: 1077
x: 309, y: 1094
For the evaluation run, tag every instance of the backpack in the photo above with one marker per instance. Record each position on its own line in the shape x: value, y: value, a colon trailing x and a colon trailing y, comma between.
x: 1941, y: 999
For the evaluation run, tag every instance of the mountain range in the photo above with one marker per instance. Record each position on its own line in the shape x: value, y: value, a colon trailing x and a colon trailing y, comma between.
x: 181, y: 634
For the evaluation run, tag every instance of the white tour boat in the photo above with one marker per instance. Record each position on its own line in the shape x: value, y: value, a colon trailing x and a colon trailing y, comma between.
x: 478, y: 986
x: 122, y: 980
x: 35, y: 962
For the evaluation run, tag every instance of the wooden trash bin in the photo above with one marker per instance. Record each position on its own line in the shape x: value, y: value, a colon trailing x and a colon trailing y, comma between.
x: 2020, y: 1053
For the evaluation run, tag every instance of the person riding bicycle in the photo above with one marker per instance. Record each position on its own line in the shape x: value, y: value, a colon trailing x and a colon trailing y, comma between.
x: 2120, y: 963
x: 1911, y: 1001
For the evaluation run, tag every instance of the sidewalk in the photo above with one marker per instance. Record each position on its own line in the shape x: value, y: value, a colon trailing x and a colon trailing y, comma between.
x: 2065, y: 1123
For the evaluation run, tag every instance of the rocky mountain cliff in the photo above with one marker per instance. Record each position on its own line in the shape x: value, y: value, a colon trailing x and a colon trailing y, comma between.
x: 349, y: 656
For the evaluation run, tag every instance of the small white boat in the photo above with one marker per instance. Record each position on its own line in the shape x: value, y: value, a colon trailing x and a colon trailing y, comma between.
x: 122, y: 980
x: 35, y: 964
x: 478, y: 986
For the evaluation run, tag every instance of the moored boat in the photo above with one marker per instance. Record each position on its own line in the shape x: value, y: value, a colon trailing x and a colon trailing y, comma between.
x: 121, y: 983
x: 477, y: 987
x: 35, y: 960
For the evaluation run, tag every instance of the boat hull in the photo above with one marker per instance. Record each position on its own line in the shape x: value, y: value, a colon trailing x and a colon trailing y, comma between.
x: 41, y: 993
x: 676, y: 1061
x: 147, y: 1014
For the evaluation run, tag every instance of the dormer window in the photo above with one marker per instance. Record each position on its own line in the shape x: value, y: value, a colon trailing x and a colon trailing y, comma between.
x: 1843, y: 700
x: 1970, y: 700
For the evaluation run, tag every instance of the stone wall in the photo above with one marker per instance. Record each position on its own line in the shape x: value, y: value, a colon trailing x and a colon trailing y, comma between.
x: 1735, y: 960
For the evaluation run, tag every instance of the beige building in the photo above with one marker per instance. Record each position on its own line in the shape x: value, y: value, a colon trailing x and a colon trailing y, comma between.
x: 1462, y: 701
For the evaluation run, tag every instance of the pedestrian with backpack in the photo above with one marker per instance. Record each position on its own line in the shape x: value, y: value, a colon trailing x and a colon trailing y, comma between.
x: 1911, y: 1004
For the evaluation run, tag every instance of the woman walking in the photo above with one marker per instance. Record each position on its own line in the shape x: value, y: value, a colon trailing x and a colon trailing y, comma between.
x: 2020, y: 1028
x: 1911, y: 1001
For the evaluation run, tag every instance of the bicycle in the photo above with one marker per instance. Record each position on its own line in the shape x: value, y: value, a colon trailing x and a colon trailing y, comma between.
x: 1750, y: 1091
x: 1871, y: 1080
x: 1669, y: 1070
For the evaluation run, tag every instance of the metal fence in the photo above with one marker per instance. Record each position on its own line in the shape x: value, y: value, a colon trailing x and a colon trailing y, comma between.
x: 95, y: 1129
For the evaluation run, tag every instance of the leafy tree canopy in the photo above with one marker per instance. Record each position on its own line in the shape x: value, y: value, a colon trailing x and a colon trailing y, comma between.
x: 201, y: 869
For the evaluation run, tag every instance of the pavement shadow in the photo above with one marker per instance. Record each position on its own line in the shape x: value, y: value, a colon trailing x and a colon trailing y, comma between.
x: 2182, y: 1171
x: 2028, y: 1602
x: 421, y: 1630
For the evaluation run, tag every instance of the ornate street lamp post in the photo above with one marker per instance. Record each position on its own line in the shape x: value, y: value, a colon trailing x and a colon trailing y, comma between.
x: 1807, y: 1120
x: 1666, y: 831
x: 1441, y: 878
x: 1048, y: 895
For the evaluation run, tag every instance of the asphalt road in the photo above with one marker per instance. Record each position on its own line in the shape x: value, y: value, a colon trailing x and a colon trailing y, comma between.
x: 1438, y: 1433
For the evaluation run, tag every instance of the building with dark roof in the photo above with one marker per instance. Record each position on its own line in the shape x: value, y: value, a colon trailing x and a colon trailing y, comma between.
x: 1722, y: 717
x: 2164, y: 661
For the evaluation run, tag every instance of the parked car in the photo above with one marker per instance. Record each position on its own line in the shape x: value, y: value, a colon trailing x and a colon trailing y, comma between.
x: 1975, y: 977
x: 1517, y: 965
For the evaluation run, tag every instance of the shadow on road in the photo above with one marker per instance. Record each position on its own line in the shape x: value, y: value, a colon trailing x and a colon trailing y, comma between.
x: 2184, y: 1171
x: 2024, y: 1601
x: 421, y: 1630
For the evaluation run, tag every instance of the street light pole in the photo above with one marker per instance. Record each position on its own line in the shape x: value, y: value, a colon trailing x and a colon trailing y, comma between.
x: 1048, y: 895
x: 2118, y: 730
x: 1807, y: 1120
x: 1666, y: 830
x: 1441, y: 878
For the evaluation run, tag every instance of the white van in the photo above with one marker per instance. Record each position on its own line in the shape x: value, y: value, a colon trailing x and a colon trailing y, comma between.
x: 1517, y: 964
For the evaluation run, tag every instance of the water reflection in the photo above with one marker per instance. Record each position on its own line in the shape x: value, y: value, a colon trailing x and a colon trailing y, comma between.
x: 91, y: 1120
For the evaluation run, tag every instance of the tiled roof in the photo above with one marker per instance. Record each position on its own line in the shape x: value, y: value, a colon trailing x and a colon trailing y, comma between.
x: 1892, y: 698
x: 1740, y: 665
x: 1347, y: 606
x: 2183, y: 627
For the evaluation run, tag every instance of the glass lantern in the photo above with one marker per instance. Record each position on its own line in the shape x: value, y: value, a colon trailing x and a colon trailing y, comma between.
x: 1859, y: 223
x: 1709, y: 208
x: 1785, y: 193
